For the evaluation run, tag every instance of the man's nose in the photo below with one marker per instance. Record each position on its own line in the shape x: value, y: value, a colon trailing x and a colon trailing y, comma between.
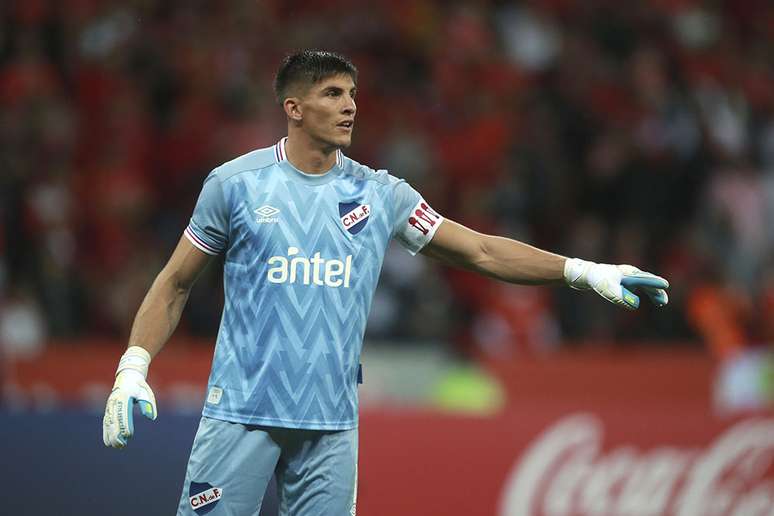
x: 349, y: 107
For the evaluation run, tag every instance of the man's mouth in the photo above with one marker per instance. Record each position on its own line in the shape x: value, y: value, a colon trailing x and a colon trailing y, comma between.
x: 346, y: 124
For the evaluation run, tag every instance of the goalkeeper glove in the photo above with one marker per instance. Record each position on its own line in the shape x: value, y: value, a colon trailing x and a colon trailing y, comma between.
x: 130, y: 388
x: 616, y: 282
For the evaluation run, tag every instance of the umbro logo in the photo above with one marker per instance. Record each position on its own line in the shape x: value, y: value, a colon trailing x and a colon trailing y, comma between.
x: 267, y: 211
x: 266, y: 214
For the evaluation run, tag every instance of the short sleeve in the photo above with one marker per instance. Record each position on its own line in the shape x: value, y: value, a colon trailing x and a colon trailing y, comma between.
x: 208, y: 228
x: 415, y: 222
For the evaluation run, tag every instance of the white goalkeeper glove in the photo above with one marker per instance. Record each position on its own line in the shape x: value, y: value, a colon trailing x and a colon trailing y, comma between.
x: 130, y: 388
x: 616, y: 282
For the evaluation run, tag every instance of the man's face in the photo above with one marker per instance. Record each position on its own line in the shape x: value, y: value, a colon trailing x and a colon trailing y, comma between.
x: 328, y: 110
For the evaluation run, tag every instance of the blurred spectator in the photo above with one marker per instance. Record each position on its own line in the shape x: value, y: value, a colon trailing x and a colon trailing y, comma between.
x: 22, y: 328
x: 515, y: 321
x: 735, y: 223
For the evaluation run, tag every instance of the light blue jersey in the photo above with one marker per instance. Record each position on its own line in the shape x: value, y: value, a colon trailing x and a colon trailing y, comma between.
x: 302, y: 259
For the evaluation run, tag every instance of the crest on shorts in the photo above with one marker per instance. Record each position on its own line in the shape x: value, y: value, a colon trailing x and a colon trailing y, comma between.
x: 203, y: 497
x: 354, y: 216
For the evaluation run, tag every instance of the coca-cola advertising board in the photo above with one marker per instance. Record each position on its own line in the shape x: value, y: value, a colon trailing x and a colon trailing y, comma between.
x: 576, y: 464
x: 579, y: 436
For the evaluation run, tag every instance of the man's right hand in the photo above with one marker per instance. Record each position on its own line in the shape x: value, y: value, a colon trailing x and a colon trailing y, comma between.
x: 130, y: 387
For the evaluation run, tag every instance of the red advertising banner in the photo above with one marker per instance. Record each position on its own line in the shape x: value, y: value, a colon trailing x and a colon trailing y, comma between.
x: 581, y: 434
x: 585, y: 435
x: 583, y: 463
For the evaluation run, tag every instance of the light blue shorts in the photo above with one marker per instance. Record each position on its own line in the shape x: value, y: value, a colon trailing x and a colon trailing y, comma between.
x: 231, y: 465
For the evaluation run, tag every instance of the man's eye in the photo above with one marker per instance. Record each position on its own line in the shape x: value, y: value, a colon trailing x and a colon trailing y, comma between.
x: 333, y: 93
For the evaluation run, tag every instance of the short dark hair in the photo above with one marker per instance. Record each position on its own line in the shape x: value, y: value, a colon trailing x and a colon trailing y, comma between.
x: 309, y: 67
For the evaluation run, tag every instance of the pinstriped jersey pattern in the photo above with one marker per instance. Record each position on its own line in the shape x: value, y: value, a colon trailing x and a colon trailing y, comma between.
x: 289, y: 343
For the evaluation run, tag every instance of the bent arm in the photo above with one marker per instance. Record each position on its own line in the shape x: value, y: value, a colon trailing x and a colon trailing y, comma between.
x: 160, y: 311
x: 497, y: 257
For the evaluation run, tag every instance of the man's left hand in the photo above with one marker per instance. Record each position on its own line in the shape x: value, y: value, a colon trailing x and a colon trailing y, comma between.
x: 616, y: 283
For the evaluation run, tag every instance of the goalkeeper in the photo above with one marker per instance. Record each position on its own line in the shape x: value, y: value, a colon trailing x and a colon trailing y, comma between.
x: 304, y: 229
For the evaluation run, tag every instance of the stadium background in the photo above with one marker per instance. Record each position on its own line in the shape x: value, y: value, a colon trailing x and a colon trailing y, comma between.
x: 641, y: 134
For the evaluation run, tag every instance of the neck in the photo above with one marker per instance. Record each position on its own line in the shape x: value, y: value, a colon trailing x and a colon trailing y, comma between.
x: 307, y: 155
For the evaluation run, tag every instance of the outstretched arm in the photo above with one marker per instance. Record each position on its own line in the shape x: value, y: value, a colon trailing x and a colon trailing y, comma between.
x: 517, y: 262
x: 496, y: 257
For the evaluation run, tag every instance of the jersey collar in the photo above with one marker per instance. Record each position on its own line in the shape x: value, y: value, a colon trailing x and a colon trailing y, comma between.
x: 281, y: 157
x: 280, y: 154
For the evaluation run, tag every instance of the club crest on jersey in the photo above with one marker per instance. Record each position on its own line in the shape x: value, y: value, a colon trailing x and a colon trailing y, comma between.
x: 354, y: 216
x: 202, y: 497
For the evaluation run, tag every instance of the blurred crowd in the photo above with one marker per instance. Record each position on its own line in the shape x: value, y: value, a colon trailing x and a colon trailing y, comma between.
x: 641, y: 134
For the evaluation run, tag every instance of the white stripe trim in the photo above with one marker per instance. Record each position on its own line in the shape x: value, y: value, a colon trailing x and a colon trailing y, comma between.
x: 198, y: 243
x: 281, y: 148
x: 338, y: 157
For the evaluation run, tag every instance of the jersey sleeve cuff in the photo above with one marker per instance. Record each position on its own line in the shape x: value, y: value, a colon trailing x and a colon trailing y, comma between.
x: 199, y: 243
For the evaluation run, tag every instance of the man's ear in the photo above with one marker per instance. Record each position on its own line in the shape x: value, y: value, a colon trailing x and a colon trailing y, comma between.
x: 293, y: 109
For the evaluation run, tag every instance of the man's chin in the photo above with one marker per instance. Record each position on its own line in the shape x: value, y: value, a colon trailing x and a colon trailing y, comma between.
x: 339, y: 141
x: 344, y: 141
